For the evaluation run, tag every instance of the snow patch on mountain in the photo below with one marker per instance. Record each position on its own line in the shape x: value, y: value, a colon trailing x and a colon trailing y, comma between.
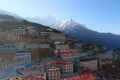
x: 65, y: 24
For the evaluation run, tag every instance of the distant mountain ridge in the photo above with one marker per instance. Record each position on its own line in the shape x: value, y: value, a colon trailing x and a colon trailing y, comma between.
x: 67, y: 26
x: 78, y: 31
x: 9, y: 13
x: 47, y: 20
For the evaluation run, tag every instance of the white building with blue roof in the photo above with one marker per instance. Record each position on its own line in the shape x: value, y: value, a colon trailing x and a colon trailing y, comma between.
x: 23, y: 55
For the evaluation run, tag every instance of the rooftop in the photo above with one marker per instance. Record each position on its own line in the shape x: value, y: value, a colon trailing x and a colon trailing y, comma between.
x: 22, y: 53
x: 69, y: 53
x: 61, y: 44
x: 82, y: 76
x: 25, y: 65
x: 8, y: 73
x: 61, y: 61
x: 84, y: 58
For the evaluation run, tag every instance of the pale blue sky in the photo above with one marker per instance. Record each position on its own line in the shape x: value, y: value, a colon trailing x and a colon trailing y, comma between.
x: 99, y: 15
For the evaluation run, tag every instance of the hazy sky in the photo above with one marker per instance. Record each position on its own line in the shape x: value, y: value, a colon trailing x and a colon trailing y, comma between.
x: 99, y: 15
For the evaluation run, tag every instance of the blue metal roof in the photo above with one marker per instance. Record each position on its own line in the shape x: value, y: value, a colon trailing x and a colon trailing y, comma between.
x: 22, y: 53
x: 7, y: 73
x: 88, y: 56
x: 83, y: 58
x: 79, y: 58
x: 20, y: 66
x: 25, y: 65
x: 72, y: 60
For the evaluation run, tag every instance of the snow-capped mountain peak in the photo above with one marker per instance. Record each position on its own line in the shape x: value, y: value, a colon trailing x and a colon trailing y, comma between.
x: 54, y: 23
x: 66, y: 23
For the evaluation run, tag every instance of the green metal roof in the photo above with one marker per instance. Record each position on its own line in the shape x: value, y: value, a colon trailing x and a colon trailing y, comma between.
x: 109, y: 78
x: 69, y: 74
x: 78, y: 64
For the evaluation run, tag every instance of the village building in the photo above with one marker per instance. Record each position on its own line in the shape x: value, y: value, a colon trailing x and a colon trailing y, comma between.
x: 57, y: 38
x: 19, y: 32
x: 22, y: 55
x: 62, y: 46
x: 53, y: 73
x: 36, y: 46
x: 65, y: 66
x: 90, y: 64
x: 7, y: 48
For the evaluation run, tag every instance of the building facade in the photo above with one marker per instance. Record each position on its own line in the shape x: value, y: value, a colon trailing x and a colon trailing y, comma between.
x: 19, y: 32
x: 90, y: 64
x: 53, y: 73
x: 62, y: 46
x: 69, y: 53
x: 66, y: 67
x: 25, y: 56
x: 55, y: 37
x: 7, y: 49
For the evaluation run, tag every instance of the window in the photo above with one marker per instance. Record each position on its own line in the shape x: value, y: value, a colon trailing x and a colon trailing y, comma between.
x: 54, y: 76
x: 42, y: 74
x: 51, y: 73
x: 57, y: 75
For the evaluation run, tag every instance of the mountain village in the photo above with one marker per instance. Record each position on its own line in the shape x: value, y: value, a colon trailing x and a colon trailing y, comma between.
x: 32, y: 54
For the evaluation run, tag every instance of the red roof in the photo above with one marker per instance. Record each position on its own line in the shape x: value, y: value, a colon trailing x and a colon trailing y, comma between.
x: 83, y: 76
x: 63, y: 61
x: 56, y: 61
